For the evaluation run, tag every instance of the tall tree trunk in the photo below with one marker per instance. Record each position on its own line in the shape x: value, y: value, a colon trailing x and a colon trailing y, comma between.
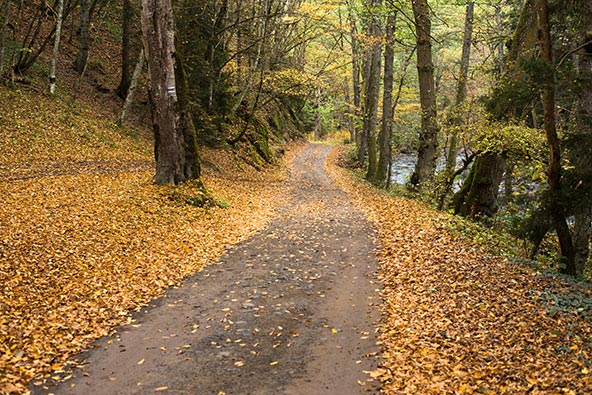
x: 126, y: 26
x: 239, y: 42
x: 386, y: 130
x: 214, y: 42
x: 191, y: 165
x: 4, y: 27
x: 84, y: 39
x: 56, y: 48
x: 455, y: 119
x: 355, y: 50
x: 581, y: 150
x: 554, y: 167
x: 428, y: 137
x: 172, y: 165
x: 461, y: 88
x: 371, y: 89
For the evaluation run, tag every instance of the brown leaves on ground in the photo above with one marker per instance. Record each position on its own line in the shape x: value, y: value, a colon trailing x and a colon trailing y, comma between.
x: 78, y: 252
x: 459, y: 321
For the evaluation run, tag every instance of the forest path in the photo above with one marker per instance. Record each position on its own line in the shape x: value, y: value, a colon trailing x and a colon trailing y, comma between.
x: 289, y: 311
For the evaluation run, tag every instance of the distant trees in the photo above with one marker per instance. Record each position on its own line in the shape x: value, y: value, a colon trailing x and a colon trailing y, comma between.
x: 498, y: 85
x: 520, y: 113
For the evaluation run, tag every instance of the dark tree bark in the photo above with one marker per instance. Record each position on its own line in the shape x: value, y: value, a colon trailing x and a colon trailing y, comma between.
x: 191, y: 168
x: 558, y: 214
x: 174, y: 161
x: 214, y: 43
x: 371, y: 89
x: 581, y: 155
x: 428, y: 137
x: 26, y: 59
x: 84, y: 39
x: 478, y: 196
x: 126, y: 26
x: 386, y: 130
x: 318, y: 120
x: 5, y: 19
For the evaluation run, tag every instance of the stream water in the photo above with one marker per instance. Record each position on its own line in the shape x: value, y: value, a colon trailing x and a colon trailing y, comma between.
x: 403, y: 165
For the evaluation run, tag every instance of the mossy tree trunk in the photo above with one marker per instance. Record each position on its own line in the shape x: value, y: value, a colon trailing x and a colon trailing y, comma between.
x: 175, y: 144
x: 386, y: 129
x: 478, y: 196
x: 371, y: 90
x: 554, y: 178
x: 428, y: 136
x: 582, y: 155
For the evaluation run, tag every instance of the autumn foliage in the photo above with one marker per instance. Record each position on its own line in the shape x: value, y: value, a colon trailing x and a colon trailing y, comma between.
x: 85, y: 236
x: 458, y: 320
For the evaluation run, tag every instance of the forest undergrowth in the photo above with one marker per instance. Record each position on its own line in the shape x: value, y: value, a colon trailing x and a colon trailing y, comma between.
x: 81, y: 248
x: 457, y: 319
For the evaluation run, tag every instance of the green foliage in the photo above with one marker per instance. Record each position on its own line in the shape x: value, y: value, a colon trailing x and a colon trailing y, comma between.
x: 510, y: 138
x: 209, y: 85
x: 492, y: 239
x: 200, y: 197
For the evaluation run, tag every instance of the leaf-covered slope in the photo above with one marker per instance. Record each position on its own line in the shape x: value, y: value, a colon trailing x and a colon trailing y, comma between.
x: 85, y: 236
x: 36, y: 130
x: 457, y: 320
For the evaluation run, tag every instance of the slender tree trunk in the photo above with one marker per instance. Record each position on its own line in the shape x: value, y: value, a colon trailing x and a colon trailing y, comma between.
x: 318, y: 119
x: 172, y: 165
x: 56, y: 47
x: 214, y: 42
x: 355, y: 79
x: 581, y: 151
x: 126, y: 26
x: 509, y: 181
x: 371, y: 89
x: 132, y: 88
x: 428, y: 137
x: 84, y: 40
x: 5, y: 19
x: 455, y: 119
x: 239, y: 42
x: 386, y: 131
x: 26, y: 59
x: 461, y: 88
x: 191, y: 164
x: 499, y: 46
x: 554, y: 167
